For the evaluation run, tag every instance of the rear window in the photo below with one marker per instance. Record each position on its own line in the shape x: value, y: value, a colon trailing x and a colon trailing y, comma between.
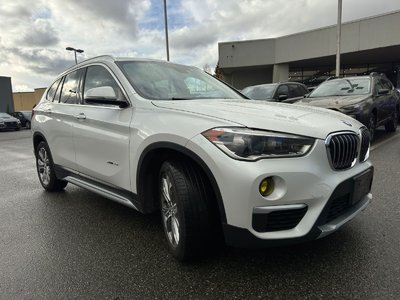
x: 52, y: 90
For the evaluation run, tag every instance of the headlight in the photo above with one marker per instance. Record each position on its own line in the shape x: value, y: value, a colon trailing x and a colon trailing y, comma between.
x: 18, y: 121
x: 251, y: 144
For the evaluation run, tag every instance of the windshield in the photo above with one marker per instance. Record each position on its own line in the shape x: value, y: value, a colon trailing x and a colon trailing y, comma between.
x: 166, y: 81
x: 4, y: 115
x: 260, y: 92
x: 342, y: 87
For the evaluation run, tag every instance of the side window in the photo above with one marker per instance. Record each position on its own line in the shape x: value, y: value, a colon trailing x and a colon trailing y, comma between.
x: 387, y: 84
x: 52, y: 90
x: 69, y: 91
x: 98, y: 76
x: 282, y: 90
x: 58, y: 91
x: 378, y: 85
x: 296, y: 90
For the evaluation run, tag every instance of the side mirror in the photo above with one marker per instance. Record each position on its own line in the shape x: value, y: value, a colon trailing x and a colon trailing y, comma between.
x: 103, y: 95
x: 282, y: 97
x: 383, y: 92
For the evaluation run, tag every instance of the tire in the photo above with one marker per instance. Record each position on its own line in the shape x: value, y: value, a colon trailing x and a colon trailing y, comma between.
x: 28, y: 125
x: 186, y: 213
x: 17, y: 129
x: 372, y: 126
x: 45, y: 169
x: 391, y: 125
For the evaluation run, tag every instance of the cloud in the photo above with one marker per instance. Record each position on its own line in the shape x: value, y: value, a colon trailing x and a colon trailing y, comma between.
x: 42, y: 34
x: 35, y: 34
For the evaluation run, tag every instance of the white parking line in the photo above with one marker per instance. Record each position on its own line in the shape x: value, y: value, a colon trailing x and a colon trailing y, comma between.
x: 385, y: 141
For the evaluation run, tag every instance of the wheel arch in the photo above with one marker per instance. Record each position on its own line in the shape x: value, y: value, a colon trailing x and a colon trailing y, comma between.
x: 37, y: 138
x: 150, y: 162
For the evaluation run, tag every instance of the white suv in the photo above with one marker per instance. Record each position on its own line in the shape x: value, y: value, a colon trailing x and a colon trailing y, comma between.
x: 155, y: 136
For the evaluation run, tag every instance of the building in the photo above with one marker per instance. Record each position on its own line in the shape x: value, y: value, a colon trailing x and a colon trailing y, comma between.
x: 367, y: 45
x: 20, y: 101
x: 27, y: 100
x: 6, y: 97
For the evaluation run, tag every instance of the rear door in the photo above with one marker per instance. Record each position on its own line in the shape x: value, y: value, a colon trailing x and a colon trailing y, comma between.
x: 60, y: 111
x: 101, y: 133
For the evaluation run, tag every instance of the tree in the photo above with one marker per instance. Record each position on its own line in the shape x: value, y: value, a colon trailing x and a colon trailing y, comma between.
x: 218, y: 72
x: 206, y: 68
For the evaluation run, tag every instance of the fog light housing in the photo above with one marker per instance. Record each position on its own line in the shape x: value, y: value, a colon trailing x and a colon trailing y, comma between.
x: 267, y: 186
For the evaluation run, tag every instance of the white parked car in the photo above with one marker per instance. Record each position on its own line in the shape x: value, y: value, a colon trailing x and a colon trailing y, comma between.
x: 154, y: 135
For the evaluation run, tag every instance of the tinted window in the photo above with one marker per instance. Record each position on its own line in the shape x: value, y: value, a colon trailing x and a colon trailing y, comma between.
x: 282, y: 90
x: 296, y: 90
x: 52, y: 90
x: 98, y: 76
x: 58, y: 92
x: 378, y: 85
x: 69, y: 92
x: 387, y: 84
x: 259, y: 92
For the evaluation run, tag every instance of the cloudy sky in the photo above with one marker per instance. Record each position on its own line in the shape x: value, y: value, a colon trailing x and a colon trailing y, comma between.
x: 34, y: 34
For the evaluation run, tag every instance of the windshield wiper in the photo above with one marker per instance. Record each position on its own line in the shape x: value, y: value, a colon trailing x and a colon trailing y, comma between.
x: 180, y: 98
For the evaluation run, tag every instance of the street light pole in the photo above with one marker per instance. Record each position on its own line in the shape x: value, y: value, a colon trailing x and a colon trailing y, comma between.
x: 338, y: 37
x: 75, y: 50
x: 166, y: 28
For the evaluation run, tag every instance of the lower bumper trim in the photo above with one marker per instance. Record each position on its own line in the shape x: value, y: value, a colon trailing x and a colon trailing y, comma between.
x: 334, y: 225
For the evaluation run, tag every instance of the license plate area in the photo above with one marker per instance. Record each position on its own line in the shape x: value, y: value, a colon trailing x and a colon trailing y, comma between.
x: 362, y: 186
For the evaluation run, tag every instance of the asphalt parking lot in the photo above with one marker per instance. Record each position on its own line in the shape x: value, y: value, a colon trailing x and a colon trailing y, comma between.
x: 76, y: 244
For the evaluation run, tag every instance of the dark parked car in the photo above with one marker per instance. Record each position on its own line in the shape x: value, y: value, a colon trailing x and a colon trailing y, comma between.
x: 287, y: 92
x: 24, y: 117
x: 372, y: 100
x: 9, y: 122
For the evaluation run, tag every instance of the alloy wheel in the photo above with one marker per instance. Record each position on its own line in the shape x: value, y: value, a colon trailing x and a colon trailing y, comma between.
x: 169, y: 210
x: 43, y: 164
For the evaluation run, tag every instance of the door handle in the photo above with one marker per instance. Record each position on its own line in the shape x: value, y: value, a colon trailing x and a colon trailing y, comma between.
x: 81, y: 116
x: 47, y: 110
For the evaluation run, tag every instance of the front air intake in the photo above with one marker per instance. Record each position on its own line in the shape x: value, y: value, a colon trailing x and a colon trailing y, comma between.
x: 342, y: 150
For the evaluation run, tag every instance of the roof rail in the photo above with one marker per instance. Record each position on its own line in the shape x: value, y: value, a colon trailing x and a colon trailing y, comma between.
x: 97, y: 57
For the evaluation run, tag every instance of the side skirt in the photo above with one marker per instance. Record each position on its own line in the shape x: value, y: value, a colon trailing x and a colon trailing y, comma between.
x: 116, y: 194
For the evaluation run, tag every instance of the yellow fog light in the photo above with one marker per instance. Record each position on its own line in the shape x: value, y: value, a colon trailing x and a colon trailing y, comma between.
x: 266, y: 186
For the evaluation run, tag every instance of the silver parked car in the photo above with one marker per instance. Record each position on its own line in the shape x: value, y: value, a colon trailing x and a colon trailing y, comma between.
x: 8, y: 122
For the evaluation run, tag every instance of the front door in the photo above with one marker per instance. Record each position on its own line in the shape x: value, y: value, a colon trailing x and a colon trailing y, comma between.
x: 101, y: 133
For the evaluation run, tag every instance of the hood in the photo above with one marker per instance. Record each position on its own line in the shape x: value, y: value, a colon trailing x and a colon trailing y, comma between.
x: 335, y: 102
x: 289, y: 118
x: 8, y: 119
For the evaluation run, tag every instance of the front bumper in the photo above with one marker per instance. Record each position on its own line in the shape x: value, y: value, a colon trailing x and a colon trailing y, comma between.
x: 10, y: 125
x: 240, y: 237
x: 307, y: 180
